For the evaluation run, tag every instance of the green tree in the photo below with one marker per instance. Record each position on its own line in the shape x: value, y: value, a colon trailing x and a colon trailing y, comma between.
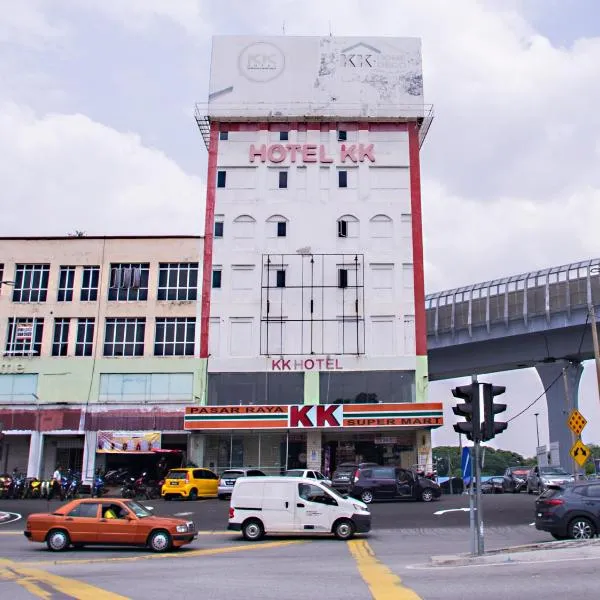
x: 495, y: 462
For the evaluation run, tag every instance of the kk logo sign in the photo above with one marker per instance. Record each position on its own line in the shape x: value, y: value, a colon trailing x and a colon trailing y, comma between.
x: 321, y: 415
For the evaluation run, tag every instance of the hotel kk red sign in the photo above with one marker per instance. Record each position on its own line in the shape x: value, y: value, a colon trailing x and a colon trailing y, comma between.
x: 319, y: 416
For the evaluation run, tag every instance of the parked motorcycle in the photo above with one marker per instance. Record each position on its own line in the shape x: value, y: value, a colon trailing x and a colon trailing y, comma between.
x: 32, y: 488
x: 99, y: 485
x: 5, y: 485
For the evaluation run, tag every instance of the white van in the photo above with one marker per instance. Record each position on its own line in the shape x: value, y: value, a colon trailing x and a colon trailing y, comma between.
x: 262, y: 505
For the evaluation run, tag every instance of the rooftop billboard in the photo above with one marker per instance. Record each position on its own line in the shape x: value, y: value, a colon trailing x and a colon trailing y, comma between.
x: 304, y: 76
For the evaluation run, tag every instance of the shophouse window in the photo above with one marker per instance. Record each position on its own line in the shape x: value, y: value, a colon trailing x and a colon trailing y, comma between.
x: 283, y: 179
x: 178, y: 281
x: 60, y: 341
x: 84, y: 344
x: 221, y: 179
x: 18, y: 387
x: 66, y: 279
x: 139, y: 388
x: 219, y: 226
x: 31, y: 283
x: 24, y: 336
x: 284, y: 136
x: 367, y: 387
x: 255, y: 388
x: 89, y: 284
x: 124, y: 336
x: 223, y: 135
x: 128, y: 281
x: 216, y: 279
x: 343, y: 179
x: 342, y: 135
x: 280, y: 279
x: 175, y: 336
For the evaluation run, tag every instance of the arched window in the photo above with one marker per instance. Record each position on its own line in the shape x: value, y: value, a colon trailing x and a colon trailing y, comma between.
x: 277, y: 226
x: 243, y: 227
x: 347, y: 226
x: 381, y: 226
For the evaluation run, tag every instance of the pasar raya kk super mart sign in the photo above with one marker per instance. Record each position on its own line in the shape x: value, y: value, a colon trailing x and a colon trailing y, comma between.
x: 318, y: 416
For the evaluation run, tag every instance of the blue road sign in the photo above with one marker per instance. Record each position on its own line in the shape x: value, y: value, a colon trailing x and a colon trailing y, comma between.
x: 466, y: 465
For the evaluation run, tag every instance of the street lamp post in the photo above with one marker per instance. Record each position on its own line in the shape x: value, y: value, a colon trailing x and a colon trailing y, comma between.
x: 537, y: 431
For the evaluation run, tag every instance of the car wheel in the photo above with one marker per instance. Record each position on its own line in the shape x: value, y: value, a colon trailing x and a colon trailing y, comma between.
x: 427, y: 495
x: 344, y: 529
x: 159, y: 541
x: 57, y: 540
x: 193, y: 495
x: 581, y: 528
x: 252, y: 530
x: 367, y: 496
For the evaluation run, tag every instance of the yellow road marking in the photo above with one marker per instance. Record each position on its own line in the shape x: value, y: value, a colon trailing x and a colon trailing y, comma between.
x: 383, y: 584
x: 31, y: 579
x: 188, y: 554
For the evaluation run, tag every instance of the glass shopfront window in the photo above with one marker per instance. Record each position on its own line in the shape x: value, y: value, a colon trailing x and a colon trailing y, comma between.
x: 260, y: 450
x: 255, y: 388
x: 367, y: 387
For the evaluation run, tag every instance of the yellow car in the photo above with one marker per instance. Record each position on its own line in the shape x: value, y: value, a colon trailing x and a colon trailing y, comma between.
x: 190, y: 483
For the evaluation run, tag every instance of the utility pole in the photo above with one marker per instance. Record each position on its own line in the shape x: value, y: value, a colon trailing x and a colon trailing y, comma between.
x: 592, y: 313
x: 537, y: 431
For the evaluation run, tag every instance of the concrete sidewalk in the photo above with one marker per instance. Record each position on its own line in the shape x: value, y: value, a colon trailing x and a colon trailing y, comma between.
x: 528, y: 553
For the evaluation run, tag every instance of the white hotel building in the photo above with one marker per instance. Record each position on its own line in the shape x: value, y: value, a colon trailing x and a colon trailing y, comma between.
x: 313, y: 314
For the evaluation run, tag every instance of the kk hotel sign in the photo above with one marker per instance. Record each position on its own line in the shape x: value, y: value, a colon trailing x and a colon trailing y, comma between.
x: 320, y: 416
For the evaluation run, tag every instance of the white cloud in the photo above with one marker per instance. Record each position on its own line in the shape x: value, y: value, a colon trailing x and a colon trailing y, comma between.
x: 65, y: 172
x: 25, y: 23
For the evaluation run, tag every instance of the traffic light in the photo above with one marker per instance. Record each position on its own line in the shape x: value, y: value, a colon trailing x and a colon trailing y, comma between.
x: 469, y: 409
x: 490, y: 408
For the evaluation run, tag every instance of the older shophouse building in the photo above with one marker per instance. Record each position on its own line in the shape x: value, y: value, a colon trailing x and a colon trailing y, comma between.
x: 100, y: 339
x: 313, y: 314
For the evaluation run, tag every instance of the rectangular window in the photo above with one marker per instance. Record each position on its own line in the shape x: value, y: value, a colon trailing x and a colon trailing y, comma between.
x: 283, y: 179
x: 124, y: 336
x: 60, y: 342
x: 85, y: 337
x: 281, y: 229
x: 31, y: 283
x: 342, y: 229
x: 128, y: 282
x: 218, y: 229
x: 342, y: 135
x: 24, y: 336
x: 18, y: 387
x: 223, y: 135
x: 284, y: 136
x: 221, y: 178
x: 177, y: 281
x: 66, y: 279
x: 146, y: 387
x: 175, y: 336
x: 89, y: 284
x: 280, y: 279
x: 343, y: 278
x: 343, y: 179
x: 216, y: 278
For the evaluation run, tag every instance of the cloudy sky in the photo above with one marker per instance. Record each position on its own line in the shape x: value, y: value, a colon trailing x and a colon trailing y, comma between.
x: 97, y: 130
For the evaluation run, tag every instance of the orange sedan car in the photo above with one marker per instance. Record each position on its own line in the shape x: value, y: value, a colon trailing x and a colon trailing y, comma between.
x: 108, y: 522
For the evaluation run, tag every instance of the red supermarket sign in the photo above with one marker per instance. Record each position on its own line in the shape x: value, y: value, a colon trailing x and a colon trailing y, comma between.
x: 322, y: 415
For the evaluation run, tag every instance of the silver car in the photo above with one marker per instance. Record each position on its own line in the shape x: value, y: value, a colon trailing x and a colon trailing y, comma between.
x: 539, y: 478
x: 308, y: 474
x: 228, y: 478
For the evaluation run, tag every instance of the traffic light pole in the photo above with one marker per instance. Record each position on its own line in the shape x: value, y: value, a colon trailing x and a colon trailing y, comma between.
x: 477, y: 461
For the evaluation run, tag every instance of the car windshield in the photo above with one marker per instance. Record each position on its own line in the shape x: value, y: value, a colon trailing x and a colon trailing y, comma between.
x: 139, y: 510
x: 552, y: 471
x: 294, y: 473
x: 519, y: 471
x: 232, y: 474
x: 176, y: 475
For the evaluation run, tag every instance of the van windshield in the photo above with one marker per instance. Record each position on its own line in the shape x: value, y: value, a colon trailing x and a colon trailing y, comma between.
x: 333, y: 491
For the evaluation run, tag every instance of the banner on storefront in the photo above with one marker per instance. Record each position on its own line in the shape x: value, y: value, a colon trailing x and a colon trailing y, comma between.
x: 128, y: 442
x: 320, y: 416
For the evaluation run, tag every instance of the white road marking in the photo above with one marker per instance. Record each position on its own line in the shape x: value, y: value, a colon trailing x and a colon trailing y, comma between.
x: 183, y: 514
x: 441, y: 512
x: 15, y: 517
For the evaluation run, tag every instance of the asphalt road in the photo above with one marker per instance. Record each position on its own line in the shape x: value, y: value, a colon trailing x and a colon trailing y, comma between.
x: 385, y: 565
x: 502, y: 510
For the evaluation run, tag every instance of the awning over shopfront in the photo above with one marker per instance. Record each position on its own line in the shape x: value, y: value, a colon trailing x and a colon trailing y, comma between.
x: 320, y: 416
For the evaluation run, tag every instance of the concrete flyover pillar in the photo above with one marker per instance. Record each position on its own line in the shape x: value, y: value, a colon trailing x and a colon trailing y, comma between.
x: 35, y: 454
x: 195, y: 449
x: 559, y: 405
x: 89, y: 457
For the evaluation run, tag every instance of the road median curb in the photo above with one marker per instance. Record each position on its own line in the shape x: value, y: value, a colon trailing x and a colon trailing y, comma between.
x: 526, y: 553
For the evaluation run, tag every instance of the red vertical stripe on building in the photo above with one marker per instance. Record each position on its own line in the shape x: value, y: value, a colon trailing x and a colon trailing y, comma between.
x: 417, y: 235
x: 209, y: 228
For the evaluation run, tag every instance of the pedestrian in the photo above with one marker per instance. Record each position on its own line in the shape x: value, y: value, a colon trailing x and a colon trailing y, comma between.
x: 57, y: 482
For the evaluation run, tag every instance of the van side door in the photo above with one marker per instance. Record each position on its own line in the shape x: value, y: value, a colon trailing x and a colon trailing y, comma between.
x: 315, y: 508
x: 278, y: 505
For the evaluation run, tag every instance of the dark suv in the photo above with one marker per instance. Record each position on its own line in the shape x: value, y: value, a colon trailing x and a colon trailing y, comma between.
x: 571, y: 510
x: 379, y: 483
x: 342, y: 476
